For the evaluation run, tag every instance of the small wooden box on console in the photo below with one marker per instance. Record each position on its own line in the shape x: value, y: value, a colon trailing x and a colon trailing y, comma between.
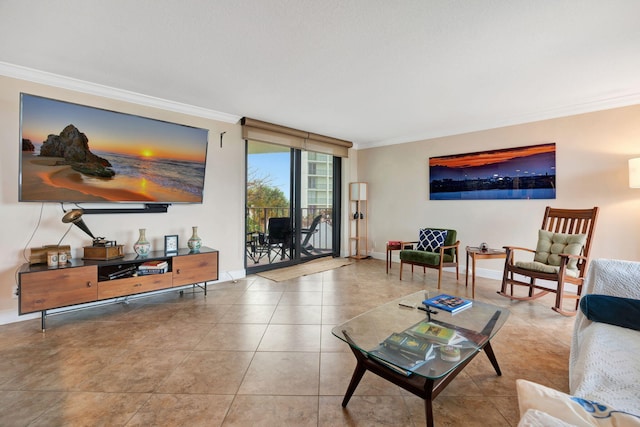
x: 103, y: 253
x: 84, y: 281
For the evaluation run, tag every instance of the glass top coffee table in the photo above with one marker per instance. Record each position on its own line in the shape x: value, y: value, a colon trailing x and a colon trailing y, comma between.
x: 418, y: 350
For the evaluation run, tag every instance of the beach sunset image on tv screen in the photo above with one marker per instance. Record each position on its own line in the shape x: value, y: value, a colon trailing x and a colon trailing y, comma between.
x: 76, y: 153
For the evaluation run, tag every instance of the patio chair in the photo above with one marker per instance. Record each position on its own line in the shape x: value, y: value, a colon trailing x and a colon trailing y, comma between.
x: 561, y: 256
x: 279, y: 236
x: 305, y: 246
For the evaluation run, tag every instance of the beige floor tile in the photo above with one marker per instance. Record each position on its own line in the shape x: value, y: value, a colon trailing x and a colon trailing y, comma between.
x: 182, y: 336
x: 20, y: 408
x: 135, y: 370
x: 304, y: 286
x: 260, y: 297
x: 207, y: 314
x: 291, y: 338
x: 215, y: 372
x: 297, y: 315
x: 91, y: 409
x: 463, y: 411
x: 66, y: 370
x: 248, y: 314
x: 282, y: 373
x: 301, y: 298
x: 233, y: 336
x: 202, y: 410
x: 268, y: 411
x: 365, y: 411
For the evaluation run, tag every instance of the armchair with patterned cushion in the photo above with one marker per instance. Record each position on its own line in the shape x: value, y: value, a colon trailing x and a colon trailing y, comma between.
x: 436, y: 248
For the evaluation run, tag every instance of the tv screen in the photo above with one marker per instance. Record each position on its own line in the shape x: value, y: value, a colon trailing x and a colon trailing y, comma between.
x: 75, y: 153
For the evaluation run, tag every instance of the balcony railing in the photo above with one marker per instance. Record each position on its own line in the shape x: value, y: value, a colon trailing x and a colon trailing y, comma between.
x: 320, y: 241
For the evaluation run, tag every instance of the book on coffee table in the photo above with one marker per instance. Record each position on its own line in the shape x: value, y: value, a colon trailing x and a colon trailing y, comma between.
x: 408, y: 344
x: 433, y: 332
x: 449, y: 303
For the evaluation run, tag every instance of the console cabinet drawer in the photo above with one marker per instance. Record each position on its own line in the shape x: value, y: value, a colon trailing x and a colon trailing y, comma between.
x: 133, y: 285
x: 43, y: 290
x: 195, y: 268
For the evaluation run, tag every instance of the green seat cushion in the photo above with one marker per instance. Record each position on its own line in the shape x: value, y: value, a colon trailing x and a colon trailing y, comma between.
x: 423, y: 257
x: 544, y: 268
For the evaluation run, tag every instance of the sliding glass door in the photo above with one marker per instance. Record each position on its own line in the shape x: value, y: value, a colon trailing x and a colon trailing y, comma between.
x: 290, y: 207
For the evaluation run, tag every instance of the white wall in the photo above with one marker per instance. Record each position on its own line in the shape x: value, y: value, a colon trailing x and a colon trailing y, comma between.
x: 591, y: 158
x: 220, y: 219
x: 592, y: 154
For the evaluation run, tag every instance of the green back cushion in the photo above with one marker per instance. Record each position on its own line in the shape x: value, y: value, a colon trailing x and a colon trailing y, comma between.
x: 551, y: 245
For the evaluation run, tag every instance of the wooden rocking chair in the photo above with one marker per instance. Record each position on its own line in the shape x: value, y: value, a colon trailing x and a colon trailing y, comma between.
x: 561, y: 256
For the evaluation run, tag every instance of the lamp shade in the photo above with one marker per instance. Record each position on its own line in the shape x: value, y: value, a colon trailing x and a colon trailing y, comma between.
x: 634, y: 173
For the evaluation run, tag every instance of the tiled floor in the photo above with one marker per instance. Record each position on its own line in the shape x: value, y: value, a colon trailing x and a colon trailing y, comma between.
x: 259, y: 353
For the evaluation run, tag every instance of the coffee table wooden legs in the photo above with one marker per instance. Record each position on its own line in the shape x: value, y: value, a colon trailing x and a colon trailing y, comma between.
x: 425, y: 388
x: 358, y: 373
x: 492, y: 358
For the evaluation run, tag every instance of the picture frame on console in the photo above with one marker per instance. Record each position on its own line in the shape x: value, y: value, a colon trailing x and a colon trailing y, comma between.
x: 171, y: 244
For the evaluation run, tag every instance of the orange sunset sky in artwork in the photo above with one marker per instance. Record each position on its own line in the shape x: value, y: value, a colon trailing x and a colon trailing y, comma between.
x: 489, y: 157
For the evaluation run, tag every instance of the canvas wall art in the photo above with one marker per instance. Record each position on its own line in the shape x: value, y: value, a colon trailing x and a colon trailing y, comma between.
x: 512, y: 173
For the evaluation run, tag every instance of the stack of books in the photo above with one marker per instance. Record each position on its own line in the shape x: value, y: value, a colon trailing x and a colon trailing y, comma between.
x: 153, y: 267
x: 403, y: 352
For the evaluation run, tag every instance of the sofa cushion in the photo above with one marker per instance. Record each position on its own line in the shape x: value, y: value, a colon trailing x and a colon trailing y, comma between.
x: 536, y: 418
x: 431, y: 240
x: 570, y: 409
x: 618, y: 311
x: 551, y: 245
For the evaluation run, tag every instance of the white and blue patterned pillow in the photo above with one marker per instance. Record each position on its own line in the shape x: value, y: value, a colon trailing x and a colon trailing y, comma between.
x: 573, y: 410
x: 431, y: 240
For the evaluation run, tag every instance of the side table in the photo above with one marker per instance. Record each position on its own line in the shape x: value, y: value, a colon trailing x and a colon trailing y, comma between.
x: 394, y: 245
x: 477, y: 253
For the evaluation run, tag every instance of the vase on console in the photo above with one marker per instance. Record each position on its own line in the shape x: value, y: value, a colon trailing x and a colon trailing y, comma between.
x: 195, y: 242
x: 142, y: 245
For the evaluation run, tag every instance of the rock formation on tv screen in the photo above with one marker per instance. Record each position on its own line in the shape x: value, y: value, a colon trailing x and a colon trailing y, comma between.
x: 27, y: 145
x: 73, y: 146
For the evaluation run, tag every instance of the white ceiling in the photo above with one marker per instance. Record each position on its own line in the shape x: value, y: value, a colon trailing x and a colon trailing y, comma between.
x: 371, y: 71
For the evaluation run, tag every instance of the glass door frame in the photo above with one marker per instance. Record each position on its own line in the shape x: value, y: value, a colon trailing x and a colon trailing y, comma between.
x: 296, y: 212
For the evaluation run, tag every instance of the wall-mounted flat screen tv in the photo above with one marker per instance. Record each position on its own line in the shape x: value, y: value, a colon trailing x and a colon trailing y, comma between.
x: 75, y: 153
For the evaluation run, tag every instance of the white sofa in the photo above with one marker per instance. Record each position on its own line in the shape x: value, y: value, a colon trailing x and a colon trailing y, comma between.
x: 604, y: 364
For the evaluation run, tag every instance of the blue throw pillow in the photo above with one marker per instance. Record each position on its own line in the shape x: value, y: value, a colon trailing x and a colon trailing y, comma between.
x: 431, y: 240
x: 616, y: 311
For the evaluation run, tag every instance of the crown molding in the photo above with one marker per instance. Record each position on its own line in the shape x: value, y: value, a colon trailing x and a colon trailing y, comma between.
x: 56, y: 80
x: 588, y: 106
